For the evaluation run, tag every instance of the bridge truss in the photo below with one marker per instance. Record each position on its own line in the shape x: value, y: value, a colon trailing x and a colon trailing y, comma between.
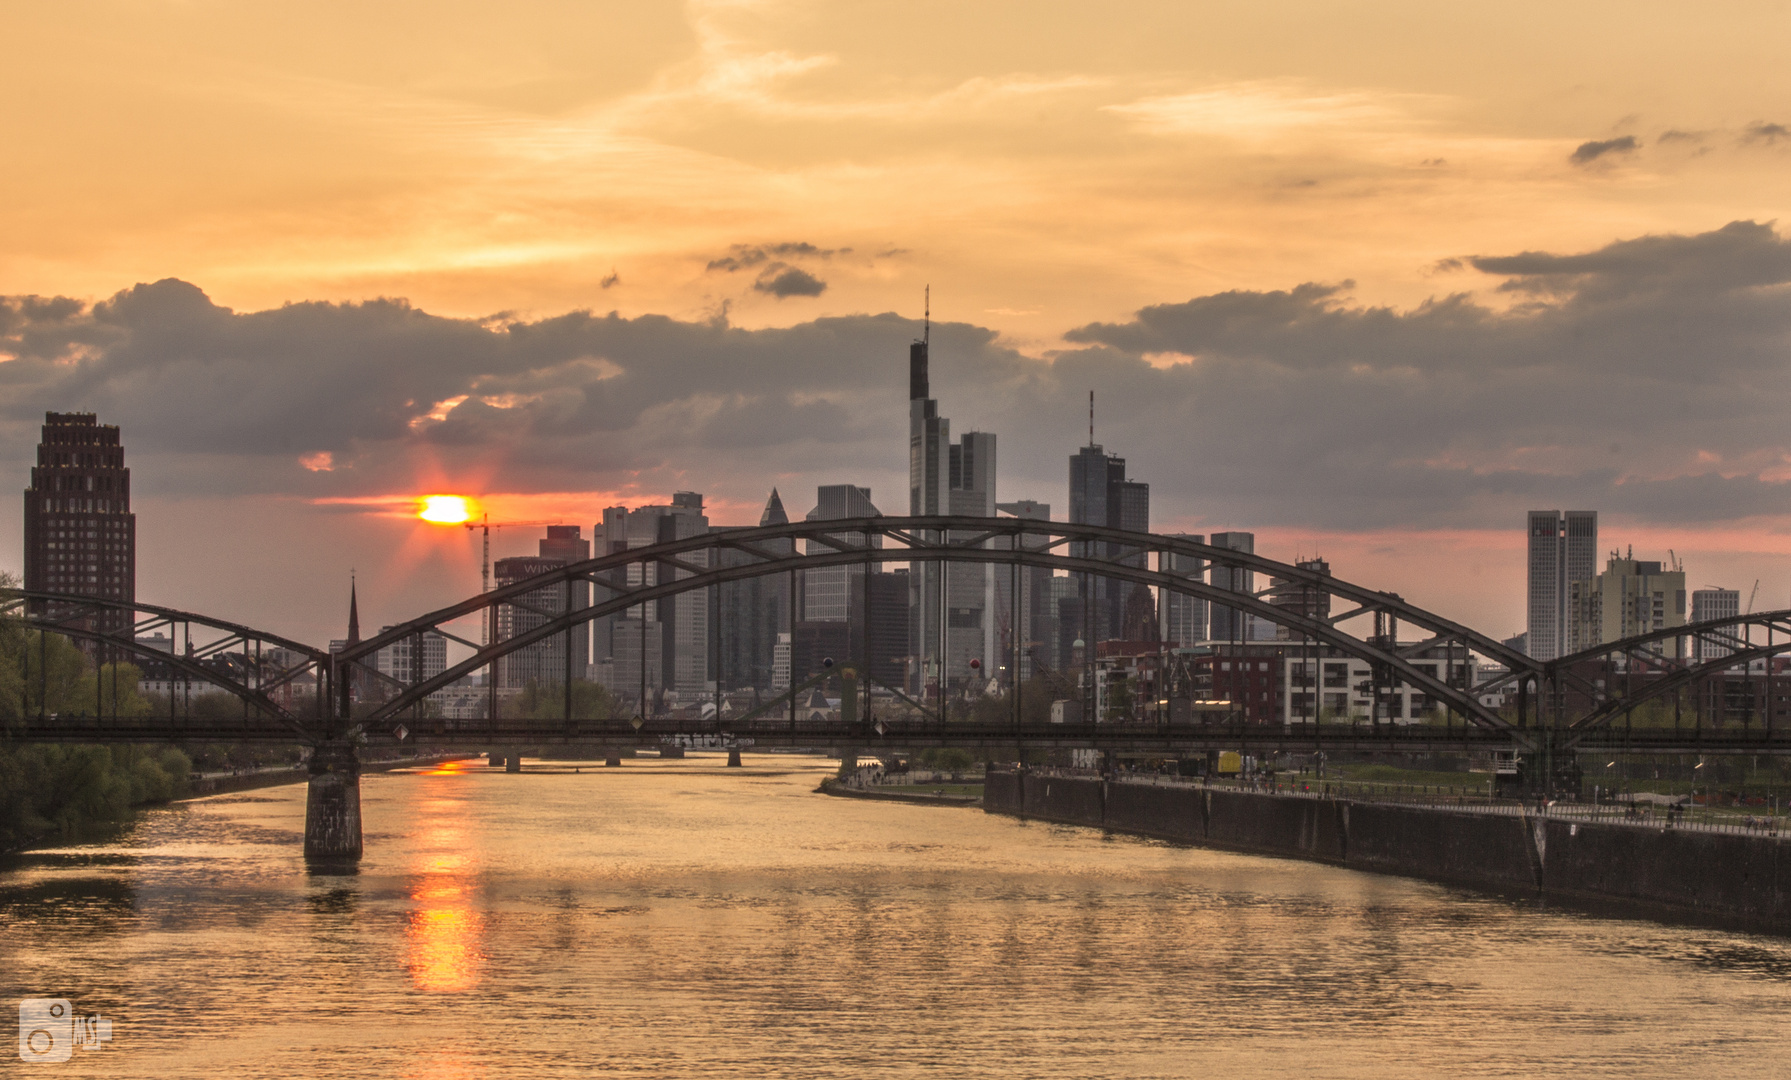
x: 1560, y: 706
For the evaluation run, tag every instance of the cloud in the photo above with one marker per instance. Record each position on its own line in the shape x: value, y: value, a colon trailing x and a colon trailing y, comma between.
x: 781, y: 281
x: 1292, y: 408
x: 1766, y: 133
x: 1588, y: 152
x: 1253, y: 110
x: 1455, y: 411
x: 746, y: 256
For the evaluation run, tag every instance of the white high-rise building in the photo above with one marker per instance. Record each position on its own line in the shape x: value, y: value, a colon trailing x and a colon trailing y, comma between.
x: 1563, y: 549
x: 780, y: 664
x: 399, y: 660
x: 1631, y: 597
x: 1714, y: 604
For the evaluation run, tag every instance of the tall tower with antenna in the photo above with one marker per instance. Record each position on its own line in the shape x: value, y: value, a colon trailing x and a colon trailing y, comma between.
x: 1101, y: 494
x: 951, y: 610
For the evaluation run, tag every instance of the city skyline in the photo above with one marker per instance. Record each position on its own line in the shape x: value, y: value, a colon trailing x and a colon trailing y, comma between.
x: 1031, y: 515
x: 1373, y: 301
x: 398, y: 514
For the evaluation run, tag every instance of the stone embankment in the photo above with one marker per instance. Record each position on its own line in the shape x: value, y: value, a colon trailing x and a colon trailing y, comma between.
x: 1729, y: 878
x: 918, y: 795
x: 225, y: 783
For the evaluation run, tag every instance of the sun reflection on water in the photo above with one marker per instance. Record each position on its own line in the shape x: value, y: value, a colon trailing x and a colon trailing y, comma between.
x: 446, y: 932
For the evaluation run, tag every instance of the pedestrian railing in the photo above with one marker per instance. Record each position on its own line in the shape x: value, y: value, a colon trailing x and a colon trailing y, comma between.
x: 1466, y: 799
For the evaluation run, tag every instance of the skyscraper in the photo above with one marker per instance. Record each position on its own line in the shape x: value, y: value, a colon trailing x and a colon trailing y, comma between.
x: 1033, y: 614
x: 752, y: 612
x: 80, y: 534
x: 1630, y: 597
x: 828, y: 593
x: 1563, y: 549
x: 1184, y: 616
x: 1305, y: 601
x: 972, y: 592
x: 850, y: 612
x: 680, y: 622
x: 948, y: 630
x: 1229, y: 623
x: 1714, y: 604
x: 547, y: 662
x: 544, y: 662
x: 1100, y: 494
x: 564, y: 543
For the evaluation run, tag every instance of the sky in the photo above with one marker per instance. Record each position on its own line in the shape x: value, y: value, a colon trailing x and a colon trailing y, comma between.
x: 1371, y: 280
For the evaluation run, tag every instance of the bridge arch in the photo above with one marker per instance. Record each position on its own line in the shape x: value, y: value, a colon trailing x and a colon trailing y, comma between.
x: 1734, y: 633
x: 67, y: 614
x: 1000, y: 541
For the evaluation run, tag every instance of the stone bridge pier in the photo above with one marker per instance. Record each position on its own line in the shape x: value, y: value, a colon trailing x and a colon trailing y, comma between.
x: 333, y: 805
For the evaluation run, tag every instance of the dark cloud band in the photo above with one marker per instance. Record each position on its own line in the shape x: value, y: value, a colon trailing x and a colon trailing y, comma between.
x: 1645, y: 377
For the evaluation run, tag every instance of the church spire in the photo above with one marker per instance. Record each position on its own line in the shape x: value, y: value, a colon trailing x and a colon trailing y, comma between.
x: 354, y: 613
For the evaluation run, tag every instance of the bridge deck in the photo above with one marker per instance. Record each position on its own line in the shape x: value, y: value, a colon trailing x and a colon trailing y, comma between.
x: 1169, y: 740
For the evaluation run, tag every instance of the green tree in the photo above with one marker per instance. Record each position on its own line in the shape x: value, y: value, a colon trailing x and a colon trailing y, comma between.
x: 54, y: 675
x: 590, y: 701
x: 61, y: 792
x: 947, y: 758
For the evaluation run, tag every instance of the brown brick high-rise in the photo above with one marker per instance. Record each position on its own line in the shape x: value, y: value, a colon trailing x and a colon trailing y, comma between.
x: 80, y: 534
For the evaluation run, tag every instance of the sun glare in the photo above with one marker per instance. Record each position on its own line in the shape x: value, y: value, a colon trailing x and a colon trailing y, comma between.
x: 445, y: 509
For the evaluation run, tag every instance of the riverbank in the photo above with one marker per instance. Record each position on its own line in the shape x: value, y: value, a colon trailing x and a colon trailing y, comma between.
x: 207, y: 786
x: 1727, y: 878
x: 924, y: 798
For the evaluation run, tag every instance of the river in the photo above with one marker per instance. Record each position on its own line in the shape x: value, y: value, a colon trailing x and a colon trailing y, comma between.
x: 681, y: 919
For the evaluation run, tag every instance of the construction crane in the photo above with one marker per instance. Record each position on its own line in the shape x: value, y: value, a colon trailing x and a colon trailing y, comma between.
x: 485, y: 525
x: 1751, y: 596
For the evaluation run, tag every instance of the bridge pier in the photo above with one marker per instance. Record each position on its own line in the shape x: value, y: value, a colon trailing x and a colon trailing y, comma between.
x: 512, y: 761
x: 734, y: 757
x: 848, y: 762
x: 494, y: 759
x: 333, y: 805
x: 612, y: 757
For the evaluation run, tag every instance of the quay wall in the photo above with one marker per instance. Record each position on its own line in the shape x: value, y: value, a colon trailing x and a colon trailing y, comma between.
x: 1736, y: 880
x: 208, y: 786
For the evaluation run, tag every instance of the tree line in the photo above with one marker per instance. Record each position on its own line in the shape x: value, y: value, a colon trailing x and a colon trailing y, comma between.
x: 51, y: 792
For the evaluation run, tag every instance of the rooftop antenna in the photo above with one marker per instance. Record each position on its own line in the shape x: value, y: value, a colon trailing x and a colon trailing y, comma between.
x: 926, y: 332
x: 1091, y: 441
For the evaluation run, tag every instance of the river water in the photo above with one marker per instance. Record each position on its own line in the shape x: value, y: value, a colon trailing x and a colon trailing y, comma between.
x: 680, y: 919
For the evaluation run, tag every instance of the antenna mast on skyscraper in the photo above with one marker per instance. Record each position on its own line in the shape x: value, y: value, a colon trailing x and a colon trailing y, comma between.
x: 926, y: 332
x: 1091, y: 418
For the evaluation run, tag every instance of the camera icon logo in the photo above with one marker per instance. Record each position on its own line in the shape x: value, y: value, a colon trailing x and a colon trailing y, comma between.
x: 49, y: 1030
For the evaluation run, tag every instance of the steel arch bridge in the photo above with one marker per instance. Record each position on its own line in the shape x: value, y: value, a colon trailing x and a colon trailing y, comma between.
x: 1546, y: 692
x: 698, y: 563
x: 252, y: 665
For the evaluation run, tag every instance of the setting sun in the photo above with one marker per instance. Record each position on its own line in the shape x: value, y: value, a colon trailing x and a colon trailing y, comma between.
x: 446, y: 509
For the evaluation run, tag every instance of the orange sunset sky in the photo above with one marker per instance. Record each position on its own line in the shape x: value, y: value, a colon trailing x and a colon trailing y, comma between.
x: 1370, y: 279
